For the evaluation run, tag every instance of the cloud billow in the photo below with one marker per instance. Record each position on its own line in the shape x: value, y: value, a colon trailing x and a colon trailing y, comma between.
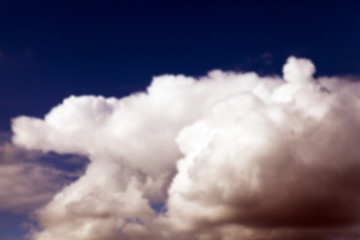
x: 230, y: 155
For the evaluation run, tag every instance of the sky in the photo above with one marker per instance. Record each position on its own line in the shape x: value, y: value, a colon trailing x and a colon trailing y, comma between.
x: 141, y: 120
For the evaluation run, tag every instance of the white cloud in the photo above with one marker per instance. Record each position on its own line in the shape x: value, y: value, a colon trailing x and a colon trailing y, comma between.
x: 230, y: 154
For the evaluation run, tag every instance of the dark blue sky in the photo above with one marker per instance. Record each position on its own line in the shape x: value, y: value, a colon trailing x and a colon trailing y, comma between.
x: 52, y: 49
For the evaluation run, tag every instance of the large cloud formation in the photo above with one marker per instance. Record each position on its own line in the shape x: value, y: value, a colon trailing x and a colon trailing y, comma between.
x: 226, y: 156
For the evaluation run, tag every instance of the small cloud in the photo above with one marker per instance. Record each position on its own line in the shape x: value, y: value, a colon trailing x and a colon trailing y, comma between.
x: 267, y: 59
x: 266, y: 55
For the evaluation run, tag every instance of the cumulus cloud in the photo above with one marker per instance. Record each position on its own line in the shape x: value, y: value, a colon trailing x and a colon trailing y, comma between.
x: 229, y: 156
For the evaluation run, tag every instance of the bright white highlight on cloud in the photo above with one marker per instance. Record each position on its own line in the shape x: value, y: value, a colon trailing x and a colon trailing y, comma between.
x: 230, y: 155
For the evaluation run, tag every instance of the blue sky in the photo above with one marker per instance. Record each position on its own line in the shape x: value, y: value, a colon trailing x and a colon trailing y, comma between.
x: 51, y: 50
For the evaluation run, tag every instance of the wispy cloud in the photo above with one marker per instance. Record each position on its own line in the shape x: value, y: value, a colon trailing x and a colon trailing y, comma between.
x: 25, y: 182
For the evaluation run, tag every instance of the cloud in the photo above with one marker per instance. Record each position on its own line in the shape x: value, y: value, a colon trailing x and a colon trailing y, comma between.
x: 267, y: 59
x: 25, y: 183
x: 27, y: 186
x: 230, y: 155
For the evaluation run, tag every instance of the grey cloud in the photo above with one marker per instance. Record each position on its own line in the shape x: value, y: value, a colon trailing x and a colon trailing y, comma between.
x: 25, y: 184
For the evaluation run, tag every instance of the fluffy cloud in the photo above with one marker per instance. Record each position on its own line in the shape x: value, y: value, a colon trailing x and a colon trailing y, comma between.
x: 230, y: 155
